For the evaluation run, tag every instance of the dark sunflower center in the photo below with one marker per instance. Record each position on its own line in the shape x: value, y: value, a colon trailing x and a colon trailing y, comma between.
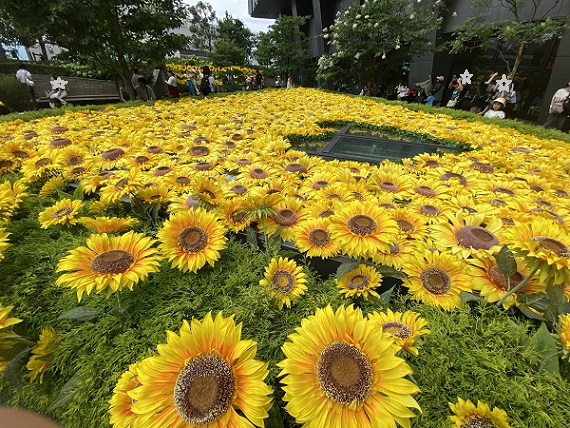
x: 74, y: 160
x: 405, y: 225
x: 112, y: 262
x: 500, y: 279
x: 321, y: 184
x: 192, y: 202
x: 543, y: 203
x: 319, y: 237
x: 394, y: 249
x: 162, y: 170
x: 326, y: 213
x: 203, y: 166
x: 478, y: 422
x: 432, y: 163
x: 6, y: 163
x: 62, y: 212
x: 436, y: 280
x: 429, y: 210
x: 154, y: 149
x: 238, y: 217
x: 295, y: 167
x: 121, y: 183
x: 397, y: 329
x: 204, y: 389
x: 476, y: 237
x: 344, y: 373
x: 503, y: 190
x: 43, y: 162
x: 112, y: 154
x: 358, y: 281
x: 199, y: 151
x: 182, y: 181
x: 448, y: 175
x: 285, y: 217
x: 242, y: 162
x: 192, y: 239
x: 425, y: 191
x: 258, y: 173
x: 389, y: 187
x: 239, y: 189
x: 361, y: 224
x: 283, y: 281
x: 553, y: 245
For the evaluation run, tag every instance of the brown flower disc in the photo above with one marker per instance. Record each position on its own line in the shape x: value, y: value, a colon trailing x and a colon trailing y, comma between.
x: 500, y: 279
x: 470, y: 210
x: 199, y: 151
x: 272, y: 191
x: 30, y: 135
x: 204, y: 389
x: 436, y: 280
x: 59, y: 143
x: 243, y: 162
x: 358, y: 281
x: 192, y: 202
x: 189, y: 127
x: 59, y: 129
x: 344, y: 373
x: 162, y: 170
x: 388, y: 186
x: 78, y: 170
x: 258, y: 173
x: 230, y: 145
x: 237, y: 137
x: 426, y: 191
x: 561, y: 193
x: 483, y: 167
x: 507, y: 221
x: 106, y: 174
x: 183, y: 134
x: 429, y: 210
x: 238, y: 216
x: 536, y: 188
x: 140, y: 160
x: 326, y: 213
x: 201, y: 139
x: 448, y: 175
x: 296, y: 167
x: 62, y: 212
x: 282, y: 281
x: 498, y: 202
x: 154, y: 149
x: 6, y: 163
x: 43, y: 162
x: 394, y: 249
x: 112, y: 262
x: 476, y: 237
x: 545, y: 204
x: 503, y: 190
x: 432, y: 163
x: 74, y: 160
x: 319, y: 237
x: 478, y: 422
x: 238, y: 189
x: 553, y: 245
x: 113, y: 154
x: 20, y: 154
x: 361, y: 224
x: 397, y: 329
x: 203, y: 166
x: 405, y: 225
x: 192, y: 239
x: 387, y: 205
x: 121, y: 183
x: 285, y: 217
x: 182, y: 181
x: 300, y: 197
x: 321, y: 184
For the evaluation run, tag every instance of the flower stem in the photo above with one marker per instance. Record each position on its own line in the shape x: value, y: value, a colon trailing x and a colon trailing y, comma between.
x: 518, y: 287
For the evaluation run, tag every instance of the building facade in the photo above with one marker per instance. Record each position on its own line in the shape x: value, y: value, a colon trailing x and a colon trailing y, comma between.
x: 545, y: 67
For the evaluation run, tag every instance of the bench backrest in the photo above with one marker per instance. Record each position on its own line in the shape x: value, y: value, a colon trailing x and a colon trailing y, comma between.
x: 76, y: 86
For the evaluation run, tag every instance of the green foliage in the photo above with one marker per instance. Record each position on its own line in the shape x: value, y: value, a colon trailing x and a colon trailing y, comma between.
x: 15, y: 95
x: 372, y: 40
x: 234, y: 43
x: 202, y: 26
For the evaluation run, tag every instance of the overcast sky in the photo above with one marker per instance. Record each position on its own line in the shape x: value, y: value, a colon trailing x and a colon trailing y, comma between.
x: 237, y: 9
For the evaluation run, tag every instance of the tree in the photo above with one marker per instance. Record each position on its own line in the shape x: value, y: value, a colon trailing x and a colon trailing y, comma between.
x: 23, y: 23
x: 527, y: 24
x: 371, y: 42
x: 234, y: 43
x: 115, y: 34
x: 202, y: 26
x: 285, y: 48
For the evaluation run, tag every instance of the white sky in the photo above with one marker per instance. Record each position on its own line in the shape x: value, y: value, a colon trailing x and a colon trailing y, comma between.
x: 237, y: 9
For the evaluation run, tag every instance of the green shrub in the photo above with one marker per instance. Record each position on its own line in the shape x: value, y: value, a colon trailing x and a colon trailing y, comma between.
x: 15, y: 95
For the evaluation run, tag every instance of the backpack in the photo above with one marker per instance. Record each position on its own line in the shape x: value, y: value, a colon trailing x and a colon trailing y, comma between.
x: 205, y: 88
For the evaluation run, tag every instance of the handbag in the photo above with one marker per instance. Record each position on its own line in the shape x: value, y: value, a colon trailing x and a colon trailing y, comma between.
x: 557, y: 107
x: 451, y: 103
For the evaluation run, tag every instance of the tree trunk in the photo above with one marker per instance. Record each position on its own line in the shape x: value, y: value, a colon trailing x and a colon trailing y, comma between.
x: 126, y: 78
x: 520, y: 51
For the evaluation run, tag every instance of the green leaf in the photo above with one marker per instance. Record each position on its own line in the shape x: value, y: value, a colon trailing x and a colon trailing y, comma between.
x: 274, y: 241
x: 545, y: 345
x: 344, y: 268
x: 389, y: 271
x: 564, y: 308
x: 387, y: 295
x: 506, y: 262
x: 81, y: 313
x: 251, y: 237
x: 13, y: 369
x: 520, y: 331
x: 468, y: 297
x: 530, y: 314
x: 67, y: 392
x: 288, y: 254
x: 78, y: 194
x: 556, y: 294
x: 274, y: 420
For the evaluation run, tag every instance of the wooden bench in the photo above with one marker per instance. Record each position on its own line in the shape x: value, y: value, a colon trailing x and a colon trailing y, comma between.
x: 82, y: 99
x: 80, y: 90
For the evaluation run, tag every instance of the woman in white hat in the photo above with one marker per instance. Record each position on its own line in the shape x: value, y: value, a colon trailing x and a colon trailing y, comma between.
x: 496, y: 110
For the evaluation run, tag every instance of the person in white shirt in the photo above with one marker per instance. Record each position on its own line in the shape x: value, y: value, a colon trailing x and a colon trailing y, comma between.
x: 172, y: 85
x: 557, y: 115
x: 25, y: 77
x: 496, y: 112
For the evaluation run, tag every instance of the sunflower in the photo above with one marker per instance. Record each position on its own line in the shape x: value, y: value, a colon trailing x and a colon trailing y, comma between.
x: 543, y: 245
x: 62, y: 213
x: 493, y: 284
x: 341, y: 371
x: 206, y: 376
x: 108, y: 263
x: 362, y: 229
x: 6, y: 335
x: 404, y: 328
x: 564, y: 331
x: 51, y: 187
x: 288, y: 214
x: 400, y: 251
x: 313, y: 237
x: 467, y: 415
x: 467, y: 234
x: 107, y: 224
x: 190, y: 239
x: 121, y: 184
x: 154, y: 195
x: 208, y: 190
x: 360, y: 282
x: 285, y: 281
x: 35, y: 169
x: 437, y: 278
x: 3, y: 242
x: 410, y: 224
x: 40, y: 361
x: 120, y: 403
x: 235, y: 217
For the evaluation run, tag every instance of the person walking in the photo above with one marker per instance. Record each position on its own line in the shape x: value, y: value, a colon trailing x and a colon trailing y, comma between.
x: 558, y: 113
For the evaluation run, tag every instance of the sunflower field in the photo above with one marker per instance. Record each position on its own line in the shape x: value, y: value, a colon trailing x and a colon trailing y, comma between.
x: 161, y: 267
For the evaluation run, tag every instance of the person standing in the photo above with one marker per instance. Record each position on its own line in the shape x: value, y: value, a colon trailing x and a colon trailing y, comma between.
x: 290, y: 81
x: 135, y: 77
x: 558, y: 115
x: 456, y: 87
x: 143, y: 91
x: 437, y: 91
x: 258, y: 79
x: 190, y: 80
x: 25, y: 77
x: 172, y: 85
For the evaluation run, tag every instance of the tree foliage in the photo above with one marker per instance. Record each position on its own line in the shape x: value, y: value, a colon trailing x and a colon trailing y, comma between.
x: 285, y: 48
x: 116, y: 34
x: 234, y: 43
x: 202, y: 26
x: 527, y: 23
x: 370, y: 42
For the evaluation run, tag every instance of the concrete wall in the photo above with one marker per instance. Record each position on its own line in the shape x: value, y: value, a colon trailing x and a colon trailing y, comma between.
x: 75, y: 86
